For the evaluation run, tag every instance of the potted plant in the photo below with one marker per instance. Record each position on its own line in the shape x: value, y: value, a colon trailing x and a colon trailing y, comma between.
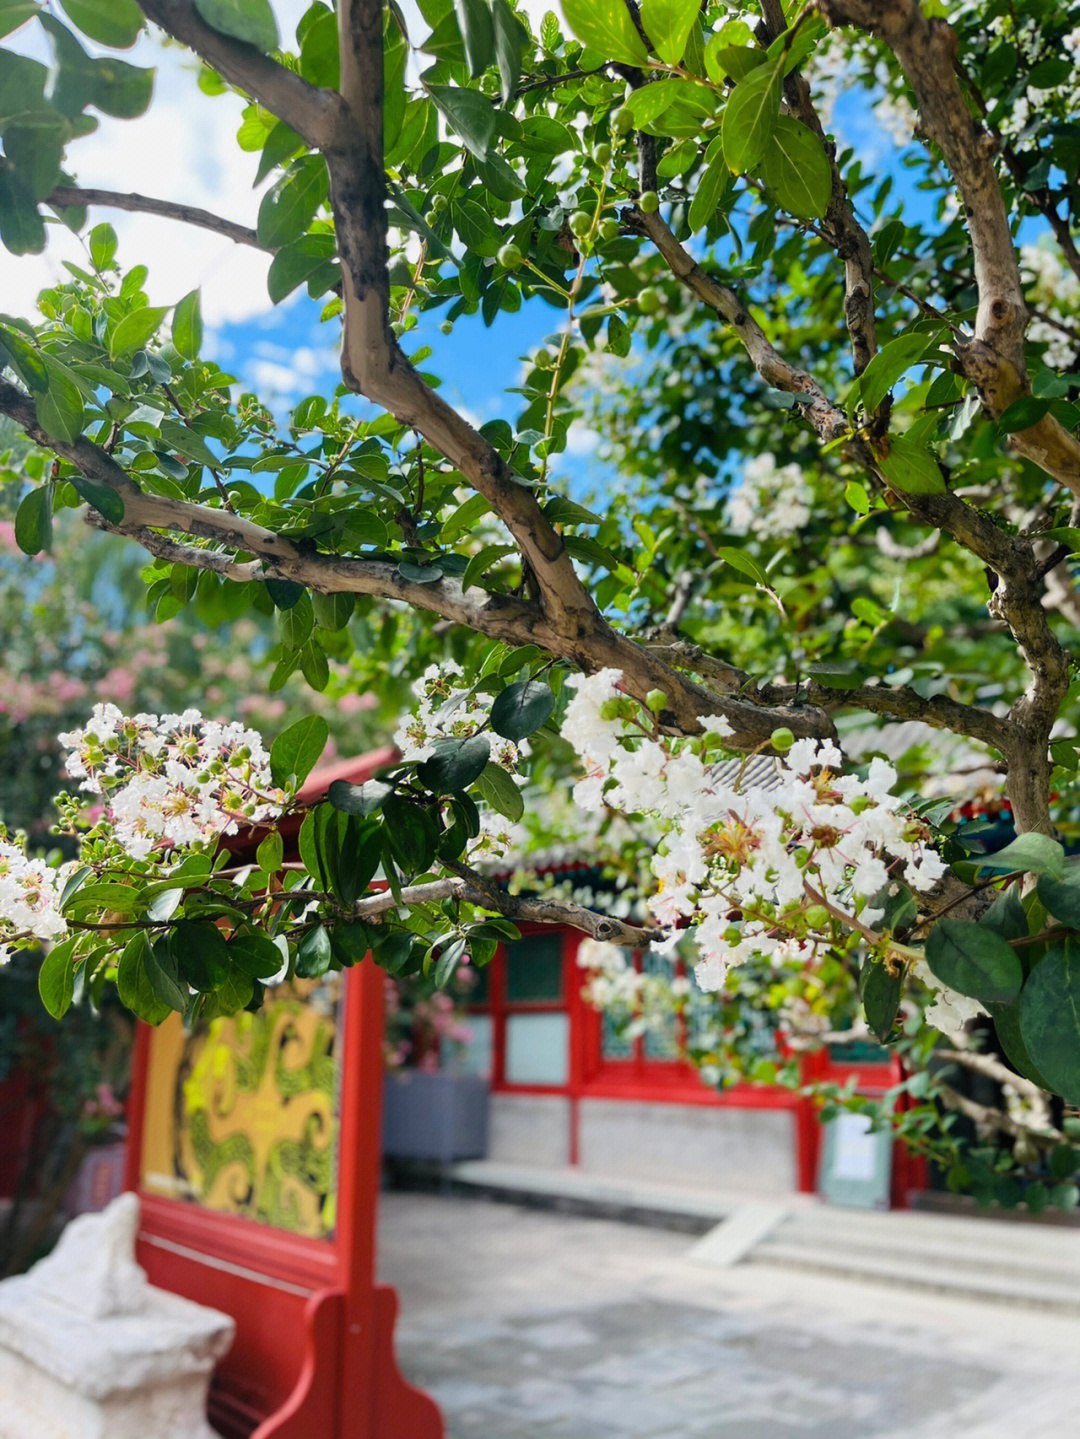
x: 434, y: 1110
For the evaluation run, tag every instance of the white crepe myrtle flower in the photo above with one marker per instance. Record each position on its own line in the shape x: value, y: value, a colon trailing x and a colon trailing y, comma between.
x: 446, y: 708
x: 172, y: 781
x: 30, y: 893
x: 769, y: 499
x: 950, y: 1011
x: 765, y: 873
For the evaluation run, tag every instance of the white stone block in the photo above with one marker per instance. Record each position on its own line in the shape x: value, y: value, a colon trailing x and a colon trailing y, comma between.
x: 90, y: 1350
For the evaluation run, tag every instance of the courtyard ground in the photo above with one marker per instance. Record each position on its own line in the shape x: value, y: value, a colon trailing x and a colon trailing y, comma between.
x: 531, y: 1324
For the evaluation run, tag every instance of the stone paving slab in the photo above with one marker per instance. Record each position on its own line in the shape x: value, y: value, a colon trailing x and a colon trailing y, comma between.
x: 530, y: 1325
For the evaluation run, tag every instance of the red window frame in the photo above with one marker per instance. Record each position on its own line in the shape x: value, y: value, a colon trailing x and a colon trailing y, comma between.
x: 500, y: 1008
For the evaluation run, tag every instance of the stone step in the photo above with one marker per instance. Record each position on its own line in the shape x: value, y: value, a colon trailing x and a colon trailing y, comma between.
x: 930, y: 1273
x: 999, y: 1251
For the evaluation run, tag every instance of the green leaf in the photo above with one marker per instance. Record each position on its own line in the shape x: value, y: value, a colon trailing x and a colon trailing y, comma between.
x: 974, y: 961
x: 880, y: 993
x: 250, y: 20
x: 710, y: 186
x: 187, y: 327
x: 1023, y: 413
x: 1050, y: 1019
x: 647, y: 104
x: 750, y: 118
x: 313, y: 956
x: 187, y: 442
x: 235, y: 992
x: 107, y: 502
x: 618, y: 337
x: 103, y: 245
x: 741, y: 561
x: 56, y: 979
x: 500, y: 792
x: 163, y: 977
x: 255, y: 954
x: 33, y: 521
x: 890, y: 362
x: 351, y: 940
x: 1061, y: 897
x: 133, y: 982
x: 469, y: 114
x: 474, y: 22
x: 796, y: 169
x: 60, y: 408
x: 14, y: 13
x: 297, y: 263
x: 910, y: 466
x: 857, y: 498
x: 668, y: 24
x: 511, y: 42
x: 521, y: 709
x: 314, y: 665
x: 455, y: 764
x: 362, y: 799
x: 135, y: 329
x: 285, y: 593
x: 164, y: 904
x: 448, y: 960
x: 606, y: 27
x: 270, y: 853
x: 1006, y: 917
x: 1033, y: 853
x: 289, y: 207
x: 1006, y: 1019
x: 201, y: 956
x: 411, y: 834
x: 109, y: 22
x: 295, y: 752
x: 332, y: 612
x: 296, y: 623
x: 25, y: 360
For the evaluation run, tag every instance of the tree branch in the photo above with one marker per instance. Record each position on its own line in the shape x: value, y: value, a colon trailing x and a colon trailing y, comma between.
x: 479, y: 890
x: 848, y: 237
x: 994, y: 359
x: 372, y: 363
x: 314, y: 113
x: 67, y: 196
x: 517, y: 622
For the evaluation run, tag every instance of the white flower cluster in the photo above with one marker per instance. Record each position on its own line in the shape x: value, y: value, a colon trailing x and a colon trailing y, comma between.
x: 172, y: 780
x: 753, y: 872
x: 1056, y: 292
x: 612, y: 984
x: 774, y: 500
x: 447, y: 709
x: 950, y: 1011
x: 29, y: 897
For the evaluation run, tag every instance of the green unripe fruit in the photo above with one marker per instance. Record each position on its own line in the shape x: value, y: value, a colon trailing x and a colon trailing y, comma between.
x: 649, y: 203
x: 447, y: 327
x: 438, y: 204
x: 817, y: 916
x: 657, y: 701
x: 580, y: 223
x: 782, y: 739
x: 610, y: 229
x: 510, y: 257
x: 602, y: 154
x: 649, y: 300
x: 733, y: 934
x: 622, y: 122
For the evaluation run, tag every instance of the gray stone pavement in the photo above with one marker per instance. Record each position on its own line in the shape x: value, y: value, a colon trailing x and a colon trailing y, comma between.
x: 528, y: 1324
